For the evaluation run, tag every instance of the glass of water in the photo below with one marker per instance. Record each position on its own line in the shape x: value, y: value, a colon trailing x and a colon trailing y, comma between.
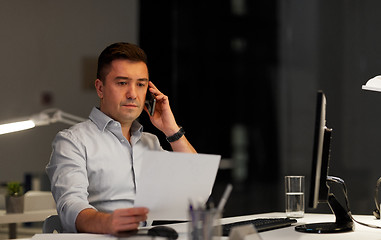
x: 294, y: 188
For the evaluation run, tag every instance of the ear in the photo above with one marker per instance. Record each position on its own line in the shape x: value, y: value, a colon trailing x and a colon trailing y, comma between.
x: 99, y: 88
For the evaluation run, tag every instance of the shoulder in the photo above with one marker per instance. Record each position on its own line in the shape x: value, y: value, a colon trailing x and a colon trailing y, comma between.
x: 78, y: 132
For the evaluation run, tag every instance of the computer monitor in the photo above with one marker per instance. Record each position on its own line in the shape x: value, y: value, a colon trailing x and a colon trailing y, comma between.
x: 319, y: 189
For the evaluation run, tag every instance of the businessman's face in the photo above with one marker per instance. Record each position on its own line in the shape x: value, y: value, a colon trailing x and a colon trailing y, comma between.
x: 124, y: 90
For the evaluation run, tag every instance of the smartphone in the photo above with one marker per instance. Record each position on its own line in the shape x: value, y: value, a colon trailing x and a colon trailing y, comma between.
x: 150, y: 102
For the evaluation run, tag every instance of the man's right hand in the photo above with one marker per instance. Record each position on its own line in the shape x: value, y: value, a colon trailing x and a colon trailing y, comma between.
x: 126, y: 219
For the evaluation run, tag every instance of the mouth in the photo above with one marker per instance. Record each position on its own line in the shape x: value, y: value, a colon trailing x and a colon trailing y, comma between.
x: 129, y: 105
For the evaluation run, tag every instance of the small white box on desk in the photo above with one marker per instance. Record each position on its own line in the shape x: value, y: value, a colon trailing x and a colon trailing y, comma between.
x: 38, y: 200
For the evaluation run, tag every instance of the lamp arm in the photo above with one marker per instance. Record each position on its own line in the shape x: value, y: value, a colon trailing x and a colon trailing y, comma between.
x: 60, y: 116
x: 45, y: 117
x: 53, y: 115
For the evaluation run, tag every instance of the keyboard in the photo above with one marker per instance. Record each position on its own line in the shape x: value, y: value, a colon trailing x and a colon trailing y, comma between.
x: 261, y: 224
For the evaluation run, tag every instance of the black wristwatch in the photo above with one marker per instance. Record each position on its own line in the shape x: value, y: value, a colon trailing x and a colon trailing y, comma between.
x: 176, y: 136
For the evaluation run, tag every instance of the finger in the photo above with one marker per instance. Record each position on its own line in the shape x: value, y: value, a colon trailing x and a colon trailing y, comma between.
x: 125, y: 223
x: 132, y: 211
x: 127, y: 227
x: 154, y: 89
x: 161, y: 98
x: 150, y: 84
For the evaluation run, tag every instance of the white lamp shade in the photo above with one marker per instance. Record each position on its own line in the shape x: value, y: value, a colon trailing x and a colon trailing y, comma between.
x: 373, y: 84
x: 16, y: 126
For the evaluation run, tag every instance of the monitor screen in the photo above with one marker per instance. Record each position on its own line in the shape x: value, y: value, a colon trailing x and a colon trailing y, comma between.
x: 320, y: 157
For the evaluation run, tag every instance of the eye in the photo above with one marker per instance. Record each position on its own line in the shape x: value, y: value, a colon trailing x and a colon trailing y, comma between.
x: 122, y: 83
x: 141, y: 84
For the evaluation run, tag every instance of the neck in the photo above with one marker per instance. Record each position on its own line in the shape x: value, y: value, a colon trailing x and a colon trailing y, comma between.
x: 126, y: 130
x: 126, y: 126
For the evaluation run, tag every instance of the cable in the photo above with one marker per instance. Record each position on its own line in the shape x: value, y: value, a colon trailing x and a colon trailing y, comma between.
x: 341, y: 181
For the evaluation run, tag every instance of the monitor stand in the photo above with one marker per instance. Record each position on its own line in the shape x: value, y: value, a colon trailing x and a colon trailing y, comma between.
x: 343, y: 222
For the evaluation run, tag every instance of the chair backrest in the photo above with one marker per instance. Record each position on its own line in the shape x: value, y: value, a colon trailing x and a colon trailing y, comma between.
x: 51, y: 224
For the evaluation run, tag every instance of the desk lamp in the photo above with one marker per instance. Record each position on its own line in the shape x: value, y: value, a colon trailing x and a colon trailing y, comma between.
x: 45, y: 117
x: 373, y: 84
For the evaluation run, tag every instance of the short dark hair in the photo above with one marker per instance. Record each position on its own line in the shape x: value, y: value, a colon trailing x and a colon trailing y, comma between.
x: 120, y: 50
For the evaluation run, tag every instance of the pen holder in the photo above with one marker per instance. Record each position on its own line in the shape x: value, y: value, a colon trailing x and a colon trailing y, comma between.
x: 204, y: 224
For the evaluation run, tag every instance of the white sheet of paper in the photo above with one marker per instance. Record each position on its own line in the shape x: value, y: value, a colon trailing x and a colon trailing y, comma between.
x: 87, y: 236
x: 168, y: 181
x: 70, y: 236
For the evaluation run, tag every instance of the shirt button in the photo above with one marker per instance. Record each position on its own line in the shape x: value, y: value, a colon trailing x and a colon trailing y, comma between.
x: 122, y: 140
x: 115, y: 124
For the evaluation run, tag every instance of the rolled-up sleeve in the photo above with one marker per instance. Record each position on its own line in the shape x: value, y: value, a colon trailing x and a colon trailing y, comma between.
x: 92, y: 165
x: 68, y: 177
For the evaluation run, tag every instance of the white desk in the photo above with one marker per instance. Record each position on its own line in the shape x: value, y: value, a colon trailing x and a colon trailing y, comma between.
x: 361, y: 232
x: 27, y: 216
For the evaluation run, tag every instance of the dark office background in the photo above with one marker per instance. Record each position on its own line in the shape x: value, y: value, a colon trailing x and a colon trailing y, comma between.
x: 223, y: 65
x: 220, y: 75
x: 241, y: 75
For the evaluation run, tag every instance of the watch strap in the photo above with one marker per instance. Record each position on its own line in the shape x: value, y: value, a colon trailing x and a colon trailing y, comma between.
x: 176, y: 136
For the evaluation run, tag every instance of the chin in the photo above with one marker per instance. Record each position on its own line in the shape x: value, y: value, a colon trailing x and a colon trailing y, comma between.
x: 130, y: 117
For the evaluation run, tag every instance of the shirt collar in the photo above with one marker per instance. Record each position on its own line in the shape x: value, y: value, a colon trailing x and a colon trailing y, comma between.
x: 101, y: 120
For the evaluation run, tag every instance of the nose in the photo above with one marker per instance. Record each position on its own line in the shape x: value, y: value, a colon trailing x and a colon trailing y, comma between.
x: 131, y: 92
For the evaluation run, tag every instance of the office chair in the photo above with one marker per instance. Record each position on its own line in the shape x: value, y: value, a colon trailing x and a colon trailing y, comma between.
x: 51, y: 224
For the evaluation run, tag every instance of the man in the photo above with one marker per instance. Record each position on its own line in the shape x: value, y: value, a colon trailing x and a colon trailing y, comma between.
x: 93, y: 164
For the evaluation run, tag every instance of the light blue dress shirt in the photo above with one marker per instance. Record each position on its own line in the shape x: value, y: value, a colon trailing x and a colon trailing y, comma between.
x: 93, y: 165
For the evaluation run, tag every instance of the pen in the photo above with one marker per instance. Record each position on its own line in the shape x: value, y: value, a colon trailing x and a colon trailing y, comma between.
x: 225, y: 197
x: 194, y: 222
x: 191, y: 211
x: 210, y: 203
